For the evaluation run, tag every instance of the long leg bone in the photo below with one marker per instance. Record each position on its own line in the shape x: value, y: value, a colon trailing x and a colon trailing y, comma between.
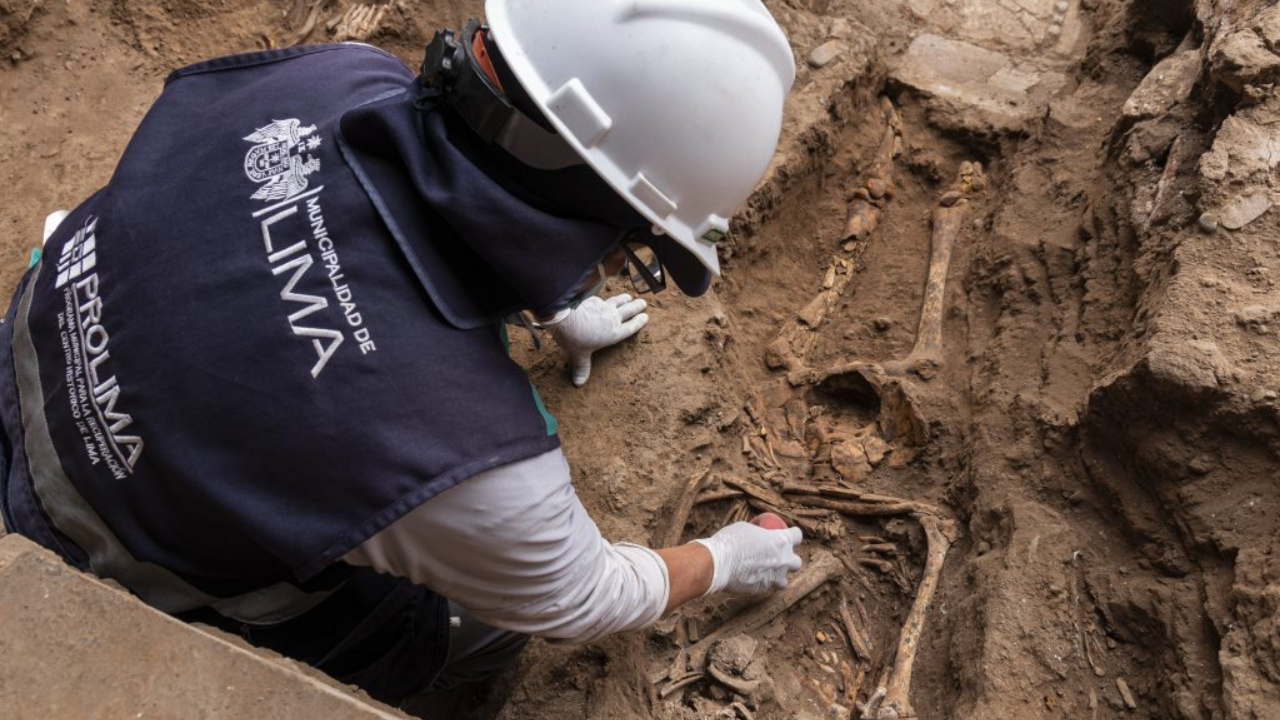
x: 891, y: 701
x: 926, y: 357
x: 896, y: 704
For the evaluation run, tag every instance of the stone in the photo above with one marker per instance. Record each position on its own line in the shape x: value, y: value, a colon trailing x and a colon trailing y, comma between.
x: 850, y: 460
x: 1256, y: 318
x: 76, y: 648
x: 825, y: 53
x: 1242, y: 58
x: 1267, y: 25
x: 733, y: 654
x: 969, y: 87
x: 875, y: 449
x: 1262, y: 396
x: 15, y: 21
x: 841, y: 29
x: 1021, y: 24
x: 1208, y: 223
x: 1169, y: 83
x: 1241, y: 150
x: 1244, y: 209
x: 1195, y: 366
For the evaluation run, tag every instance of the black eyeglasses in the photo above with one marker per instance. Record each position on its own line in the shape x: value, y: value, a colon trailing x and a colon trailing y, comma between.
x: 643, y: 269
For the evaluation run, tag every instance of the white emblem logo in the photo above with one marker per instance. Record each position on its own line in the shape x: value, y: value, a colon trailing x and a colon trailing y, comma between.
x: 79, y: 255
x: 277, y: 159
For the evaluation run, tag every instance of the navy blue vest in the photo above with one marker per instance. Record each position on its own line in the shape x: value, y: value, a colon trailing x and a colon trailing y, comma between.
x: 275, y: 331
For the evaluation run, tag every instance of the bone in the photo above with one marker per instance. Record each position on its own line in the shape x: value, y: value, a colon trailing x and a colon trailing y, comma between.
x: 756, y: 492
x: 310, y: 24
x: 679, y: 684
x: 925, y: 358
x: 896, y: 705
x: 857, y: 638
x: 745, y: 688
x: 707, y: 496
x: 670, y: 536
x: 359, y: 22
x: 798, y: 337
x: 863, y: 214
x: 821, y: 569
x: 857, y: 502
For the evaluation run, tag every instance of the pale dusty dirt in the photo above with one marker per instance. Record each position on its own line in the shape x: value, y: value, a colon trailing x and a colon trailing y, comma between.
x: 1103, y: 423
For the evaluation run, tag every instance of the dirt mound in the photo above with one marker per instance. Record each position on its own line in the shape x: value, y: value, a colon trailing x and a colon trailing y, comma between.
x: 15, y: 18
x: 998, y: 331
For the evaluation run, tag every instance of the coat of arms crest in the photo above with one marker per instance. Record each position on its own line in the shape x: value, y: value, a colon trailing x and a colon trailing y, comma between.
x: 276, y: 159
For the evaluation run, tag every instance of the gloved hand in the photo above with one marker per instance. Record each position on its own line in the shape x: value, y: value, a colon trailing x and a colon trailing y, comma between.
x: 597, y: 324
x: 751, y: 560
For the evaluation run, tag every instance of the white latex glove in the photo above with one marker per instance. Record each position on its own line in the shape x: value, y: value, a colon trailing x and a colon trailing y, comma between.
x: 597, y: 324
x: 750, y: 560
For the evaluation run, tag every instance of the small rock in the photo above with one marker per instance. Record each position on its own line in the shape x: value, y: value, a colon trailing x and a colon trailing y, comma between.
x: 1125, y: 694
x: 1256, y: 318
x: 1245, y: 209
x: 984, y: 547
x: 700, y: 438
x: 850, y: 461
x: 950, y: 198
x: 734, y: 654
x: 825, y: 53
x: 875, y: 449
x: 882, y: 324
x: 1263, y: 396
x: 1208, y: 223
x: 877, y: 188
x: 841, y: 28
x: 1169, y: 83
x: 1201, y: 464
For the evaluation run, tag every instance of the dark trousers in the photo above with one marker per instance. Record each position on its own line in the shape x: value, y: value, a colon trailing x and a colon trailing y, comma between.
x: 387, y: 636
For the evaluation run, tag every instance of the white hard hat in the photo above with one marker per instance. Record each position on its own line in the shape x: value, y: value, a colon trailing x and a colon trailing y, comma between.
x: 676, y: 104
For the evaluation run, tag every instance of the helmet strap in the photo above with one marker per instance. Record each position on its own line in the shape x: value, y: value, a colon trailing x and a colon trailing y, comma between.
x: 451, y: 67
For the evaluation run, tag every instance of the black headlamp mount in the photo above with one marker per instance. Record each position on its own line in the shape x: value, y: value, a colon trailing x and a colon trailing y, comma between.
x: 449, y: 65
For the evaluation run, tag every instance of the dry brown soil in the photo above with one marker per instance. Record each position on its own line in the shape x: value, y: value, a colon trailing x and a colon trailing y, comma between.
x: 1103, y: 418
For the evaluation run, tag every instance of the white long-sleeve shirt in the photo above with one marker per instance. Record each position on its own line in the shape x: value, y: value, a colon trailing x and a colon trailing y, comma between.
x: 516, y: 548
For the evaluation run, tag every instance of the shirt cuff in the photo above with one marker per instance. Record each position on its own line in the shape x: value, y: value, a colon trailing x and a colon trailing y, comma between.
x: 654, y: 570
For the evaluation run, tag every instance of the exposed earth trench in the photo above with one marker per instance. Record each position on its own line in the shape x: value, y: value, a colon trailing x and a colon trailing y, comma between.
x: 1098, y: 415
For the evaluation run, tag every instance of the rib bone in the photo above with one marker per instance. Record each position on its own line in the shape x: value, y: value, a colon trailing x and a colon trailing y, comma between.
x: 670, y: 536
